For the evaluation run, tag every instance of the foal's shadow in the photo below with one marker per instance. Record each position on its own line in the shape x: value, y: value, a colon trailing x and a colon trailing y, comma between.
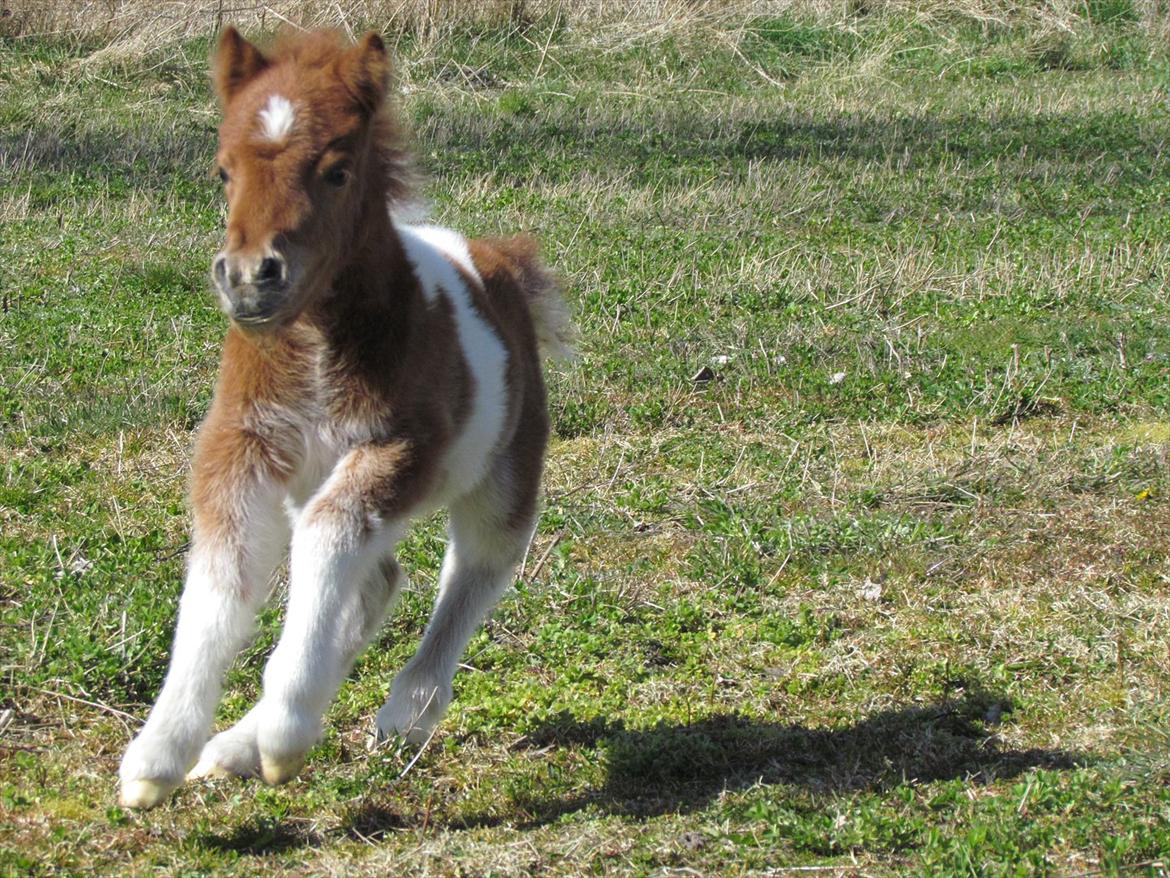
x: 261, y: 837
x: 680, y: 767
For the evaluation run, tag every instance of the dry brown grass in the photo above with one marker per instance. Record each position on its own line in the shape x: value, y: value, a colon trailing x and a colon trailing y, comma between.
x: 123, y: 19
x: 132, y: 27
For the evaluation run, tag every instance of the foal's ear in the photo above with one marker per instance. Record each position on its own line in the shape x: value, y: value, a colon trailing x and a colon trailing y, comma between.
x: 365, y: 69
x: 235, y: 64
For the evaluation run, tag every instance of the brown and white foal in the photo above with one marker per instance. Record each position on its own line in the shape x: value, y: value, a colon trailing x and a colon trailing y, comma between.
x: 373, y: 371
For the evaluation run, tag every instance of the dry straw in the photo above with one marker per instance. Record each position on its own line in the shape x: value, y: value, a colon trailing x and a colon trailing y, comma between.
x: 137, y: 25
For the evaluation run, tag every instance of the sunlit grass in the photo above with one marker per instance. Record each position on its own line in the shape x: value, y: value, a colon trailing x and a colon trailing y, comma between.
x: 854, y: 544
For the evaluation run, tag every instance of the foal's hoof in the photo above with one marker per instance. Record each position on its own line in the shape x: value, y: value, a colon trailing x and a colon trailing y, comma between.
x: 210, y: 768
x: 278, y: 771
x: 413, y: 708
x: 377, y: 739
x: 144, y: 793
x: 228, y: 754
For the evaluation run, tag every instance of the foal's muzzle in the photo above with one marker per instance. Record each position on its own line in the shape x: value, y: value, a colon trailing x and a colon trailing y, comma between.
x: 252, y: 288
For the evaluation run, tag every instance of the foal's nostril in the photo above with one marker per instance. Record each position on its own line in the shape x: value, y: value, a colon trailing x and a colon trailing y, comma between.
x: 269, y: 270
x: 219, y: 267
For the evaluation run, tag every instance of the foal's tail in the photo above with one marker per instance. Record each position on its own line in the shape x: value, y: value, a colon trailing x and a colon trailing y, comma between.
x: 555, y: 333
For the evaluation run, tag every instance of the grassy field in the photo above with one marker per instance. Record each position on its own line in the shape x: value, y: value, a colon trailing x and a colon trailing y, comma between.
x: 854, y: 557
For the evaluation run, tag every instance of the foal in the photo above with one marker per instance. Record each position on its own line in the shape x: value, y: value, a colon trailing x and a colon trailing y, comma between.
x: 372, y: 371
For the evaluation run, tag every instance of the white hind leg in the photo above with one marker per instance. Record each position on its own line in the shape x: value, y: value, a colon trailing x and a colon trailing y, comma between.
x: 481, y: 557
x: 235, y: 752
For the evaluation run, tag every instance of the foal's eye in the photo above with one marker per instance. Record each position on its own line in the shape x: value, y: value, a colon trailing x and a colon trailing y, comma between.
x: 336, y: 176
x: 223, y: 175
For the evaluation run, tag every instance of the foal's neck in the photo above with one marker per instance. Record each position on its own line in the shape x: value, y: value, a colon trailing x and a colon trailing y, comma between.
x: 375, y: 280
x: 374, y: 303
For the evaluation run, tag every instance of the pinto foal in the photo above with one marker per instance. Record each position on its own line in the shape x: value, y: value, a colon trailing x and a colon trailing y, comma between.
x: 372, y: 371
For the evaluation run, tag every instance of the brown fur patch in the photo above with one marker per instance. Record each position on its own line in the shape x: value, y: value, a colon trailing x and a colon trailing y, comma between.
x: 503, y: 302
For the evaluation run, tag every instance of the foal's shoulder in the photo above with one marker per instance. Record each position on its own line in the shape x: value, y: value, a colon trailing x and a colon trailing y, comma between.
x: 434, y: 252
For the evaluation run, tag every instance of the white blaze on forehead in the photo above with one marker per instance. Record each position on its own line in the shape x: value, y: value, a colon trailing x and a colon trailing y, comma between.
x: 277, y: 117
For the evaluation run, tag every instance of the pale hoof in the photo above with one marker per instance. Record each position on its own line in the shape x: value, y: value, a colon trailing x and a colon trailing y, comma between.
x: 208, y: 769
x: 142, y: 794
x: 276, y: 772
x: 228, y: 755
x: 412, y: 711
x: 283, y: 740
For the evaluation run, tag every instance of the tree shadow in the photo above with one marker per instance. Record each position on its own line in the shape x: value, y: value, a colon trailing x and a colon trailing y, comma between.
x: 1072, y: 140
x: 681, y: 767
x: 1069, y: 140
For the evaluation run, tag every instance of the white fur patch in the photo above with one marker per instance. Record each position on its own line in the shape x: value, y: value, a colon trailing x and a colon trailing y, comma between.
x: 277, y: 118
x: 216, y: 612
x: 434, y: 252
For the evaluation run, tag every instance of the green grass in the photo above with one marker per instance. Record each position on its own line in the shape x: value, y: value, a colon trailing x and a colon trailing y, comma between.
x: 885, y: 594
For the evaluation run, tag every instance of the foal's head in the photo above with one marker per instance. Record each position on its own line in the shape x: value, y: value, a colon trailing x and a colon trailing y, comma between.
x: 303, y: 157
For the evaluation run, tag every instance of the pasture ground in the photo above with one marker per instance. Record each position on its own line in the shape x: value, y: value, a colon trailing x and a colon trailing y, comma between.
x: 885, y: 589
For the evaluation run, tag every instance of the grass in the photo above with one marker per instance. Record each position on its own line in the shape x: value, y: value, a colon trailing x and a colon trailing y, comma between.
x: 854, y: 552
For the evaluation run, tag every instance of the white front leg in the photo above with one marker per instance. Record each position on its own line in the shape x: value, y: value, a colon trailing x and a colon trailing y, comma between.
x: 326, y: 625
x: 225, y: 587
x: 236, y: 752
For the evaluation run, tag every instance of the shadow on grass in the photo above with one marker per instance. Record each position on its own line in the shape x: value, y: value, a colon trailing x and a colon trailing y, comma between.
x: 1078, y: 141
x: 645, y: 144
x: 673, y: 768
x: 368, y: 822
x: 682, y: 767
x: 263, y: 835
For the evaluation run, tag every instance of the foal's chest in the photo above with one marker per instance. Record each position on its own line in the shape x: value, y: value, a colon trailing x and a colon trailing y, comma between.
x: 330, y: 415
